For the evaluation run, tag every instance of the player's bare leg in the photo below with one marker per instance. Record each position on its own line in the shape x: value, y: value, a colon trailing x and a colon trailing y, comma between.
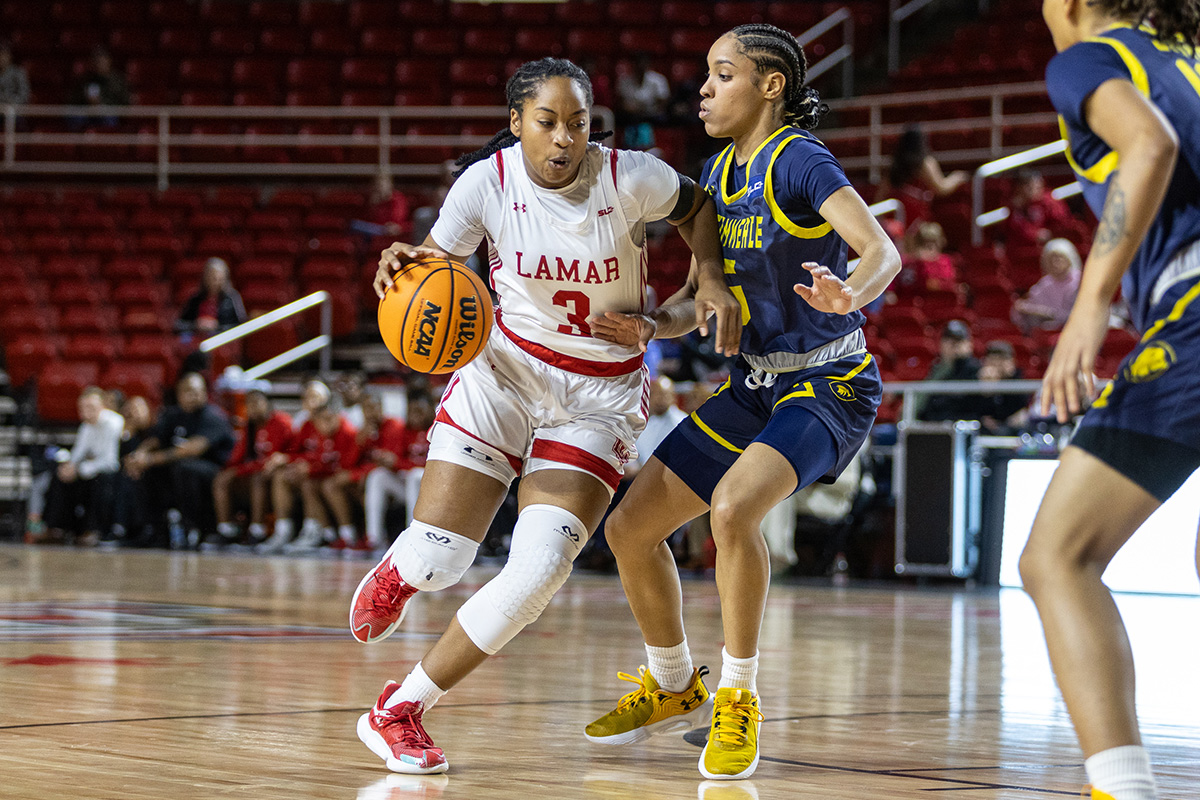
x: 655, y: 506
x: 1070, y: 546
x: 755, y: 484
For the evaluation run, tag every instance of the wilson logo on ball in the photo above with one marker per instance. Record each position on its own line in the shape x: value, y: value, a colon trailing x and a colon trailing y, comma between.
x: 436, y: 317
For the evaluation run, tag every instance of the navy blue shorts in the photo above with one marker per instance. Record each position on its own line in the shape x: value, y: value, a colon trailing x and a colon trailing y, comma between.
x: 1146, y: 422
x: 842, y: 395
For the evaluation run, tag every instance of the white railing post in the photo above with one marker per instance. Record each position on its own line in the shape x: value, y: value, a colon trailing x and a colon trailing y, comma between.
x: 385, y: 144
x: 164, y: 149
x: 876, y: 142
x: 10, y: 139
x: 997, y: 136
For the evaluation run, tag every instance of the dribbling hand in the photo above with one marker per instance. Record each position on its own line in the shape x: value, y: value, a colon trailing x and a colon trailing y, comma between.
x: 623, y: 329
x: 829, y: 293
x: 395, y: 257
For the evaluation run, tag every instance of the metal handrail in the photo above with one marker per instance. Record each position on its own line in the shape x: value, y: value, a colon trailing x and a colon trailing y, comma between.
x: 843, y: 55
x: 979, y: 218
x: 897, y: 13
x: 321, y: 342
x: 913, y: 389
x: 163, y: 141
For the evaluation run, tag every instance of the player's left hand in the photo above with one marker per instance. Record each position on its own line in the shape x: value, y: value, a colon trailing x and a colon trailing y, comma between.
x: 829, y: 293
x: 623, y: 329
x: 1069, y: 378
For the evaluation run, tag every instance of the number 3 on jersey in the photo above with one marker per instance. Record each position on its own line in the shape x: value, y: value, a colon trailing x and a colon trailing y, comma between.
x: 579, y: 307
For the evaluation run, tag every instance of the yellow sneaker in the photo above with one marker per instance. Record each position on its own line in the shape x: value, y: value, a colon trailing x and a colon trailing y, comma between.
x: 1096, y: 794
x: 649, y: 710
x: 732, y: 749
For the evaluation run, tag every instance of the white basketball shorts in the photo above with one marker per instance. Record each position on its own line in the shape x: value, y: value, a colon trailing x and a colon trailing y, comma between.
x: 508, y: 413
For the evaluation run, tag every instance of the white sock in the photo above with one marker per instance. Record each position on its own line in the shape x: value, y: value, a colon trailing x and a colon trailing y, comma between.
x: 309, y: 524
x: 417, y: 688
x: 257, y: 529
x: 738, y: 673
x: 671, y: 666
x: 283, y: 528
x: 1123, y: 772
x: 347, y: 533
x: 226, y: 529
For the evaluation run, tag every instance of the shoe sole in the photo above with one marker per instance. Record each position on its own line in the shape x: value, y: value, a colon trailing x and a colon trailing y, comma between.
x: 680, y: 723
x: 737, y: 776
x: 375, y: 743
x: 354, y: 604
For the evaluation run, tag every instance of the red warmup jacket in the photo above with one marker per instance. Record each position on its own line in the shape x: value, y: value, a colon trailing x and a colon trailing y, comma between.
x: 409, y: 446
x: 325, y: 454
x: 272, y: 436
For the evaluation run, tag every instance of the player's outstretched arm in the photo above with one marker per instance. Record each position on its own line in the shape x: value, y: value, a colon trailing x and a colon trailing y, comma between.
x: 711, y: 293
x: 399, y: 254
x: 675, y: 317
x: 1147, y: 146
x: 878, y: 264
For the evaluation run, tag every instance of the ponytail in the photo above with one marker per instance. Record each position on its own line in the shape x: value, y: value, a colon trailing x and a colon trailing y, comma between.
x: 773, y: 49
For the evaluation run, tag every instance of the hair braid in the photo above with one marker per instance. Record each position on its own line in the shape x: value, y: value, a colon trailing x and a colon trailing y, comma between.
x: 524, y: 84
x: 1171, y: 18
x: 773, y: 49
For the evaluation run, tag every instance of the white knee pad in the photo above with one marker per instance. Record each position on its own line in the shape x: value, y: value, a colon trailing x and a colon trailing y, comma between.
x: 545, y: 541
x: 431, y: 558
x: 447, y: 443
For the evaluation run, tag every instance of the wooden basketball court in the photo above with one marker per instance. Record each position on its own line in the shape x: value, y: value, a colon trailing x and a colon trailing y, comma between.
x: 158, y: 675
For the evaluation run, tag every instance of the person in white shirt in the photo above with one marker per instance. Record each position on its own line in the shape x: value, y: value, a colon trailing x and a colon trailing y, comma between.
x: 82, y: 482
x: 565, y: 224
x: 642, y: 97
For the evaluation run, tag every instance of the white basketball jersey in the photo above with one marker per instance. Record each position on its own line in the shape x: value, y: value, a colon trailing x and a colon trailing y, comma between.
x: 551, y: 273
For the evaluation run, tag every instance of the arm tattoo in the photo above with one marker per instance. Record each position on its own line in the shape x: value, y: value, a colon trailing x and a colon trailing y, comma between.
x: 1112, y: 224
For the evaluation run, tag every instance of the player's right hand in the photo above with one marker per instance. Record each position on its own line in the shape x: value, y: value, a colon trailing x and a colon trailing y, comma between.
x: 395, y: 257
x: 624, y: 329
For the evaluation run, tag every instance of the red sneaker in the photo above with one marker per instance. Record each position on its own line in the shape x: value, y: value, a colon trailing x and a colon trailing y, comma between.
x: 379, y: 603
x: 395, y: 735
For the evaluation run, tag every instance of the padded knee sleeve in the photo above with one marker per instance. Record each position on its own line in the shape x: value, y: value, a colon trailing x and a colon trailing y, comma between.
x: 431, y: 558
x: 545, y: 542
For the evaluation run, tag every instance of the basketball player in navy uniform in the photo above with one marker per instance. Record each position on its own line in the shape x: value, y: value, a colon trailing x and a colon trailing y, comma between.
x: 1126, y: 84
x: 796, y: 409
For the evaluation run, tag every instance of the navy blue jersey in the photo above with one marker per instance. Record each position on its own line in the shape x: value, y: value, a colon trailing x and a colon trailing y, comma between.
x: 1169, y: 77
x: 769, y: 224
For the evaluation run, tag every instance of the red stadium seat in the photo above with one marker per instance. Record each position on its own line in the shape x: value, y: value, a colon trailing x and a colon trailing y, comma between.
x: 87, y: 319
x: 333, y: 42
x: 79, y: 292
x: 145, y: 320
x: 167, y: 12
x: 311, y: 72
x: 321, y: 14
x: 63, y: 266
x: 688, y: 13
x: 126, y: 42
x: 204, y: 73
x: 320, y: 222
x: 282, y: 41
x: 180, y: 199
x: 591, y: 41
x: 382, y: 42
x: 153, y: 348
x: 476, y: 72
x: 58, y: 386
x: 271, y: 221
x: 105, y: 244
x: 520, y: 15
x: 367, y: 73
x: 78, y: 41
x: 277, y: 244
x: 25, y: 356
x: 374, y: 12
x: 203, y: 221
x: 151, y: 219
x: 291, y: 198
x: 257, y: 268
x: 271, y: 341
x: 136, y: 380
x: 102, y: 350
x: 181, y: 42
x: 333, y: 244
x: 140, y: 293
x: 93, y: 220
x: 47, y: 243
x: 574, y: 14
x: 322, y: 96
x: 435, y: 41
x: 324, y: 268
x: 623, y: 14
x: 167, y: 245
x: 272, y: 13
x: 20, y: 291
x: 347, y: 200
x: 231, y: 41
x: 28, y: 319
x: 121, y: 13
x: 364, y: 97
x: 344, y: 317
x: 234, y: 198
x: 41, y: 219
x: 644, y: 40
x: 691, y: 42
x: 266, y: 296
x: 540, y: 41
x: 223, y: 245
x: 995, y: 302
x: 257, y: 73
x: 475, y: 97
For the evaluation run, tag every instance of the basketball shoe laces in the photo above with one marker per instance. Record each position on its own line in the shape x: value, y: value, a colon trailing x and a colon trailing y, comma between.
x: 637, y: 696
x: 733, y: 722
x: 389, y: 589
x: 407, y: 716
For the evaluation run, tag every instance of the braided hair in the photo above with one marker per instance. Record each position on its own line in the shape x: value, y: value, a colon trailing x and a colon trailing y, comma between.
x: 1170, y: 18
x: 773, y: 49
x: 524, y: 84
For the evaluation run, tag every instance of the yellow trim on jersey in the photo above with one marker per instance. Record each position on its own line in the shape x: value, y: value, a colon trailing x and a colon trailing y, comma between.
x: 807, y: 391
x: 777, y: 214
x: 1096, y: 173
x: 716, y: 437
x: 849, y: 375
x: 729, y: 198
x: 740, y: 294
x: 1137, y: 73
x: 718, y: 170
x: 1180, y: 306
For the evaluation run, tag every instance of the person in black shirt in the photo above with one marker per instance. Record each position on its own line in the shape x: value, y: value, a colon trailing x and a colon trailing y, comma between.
x: 215, y: 306
x: 181, y: 455
x: 956, y: 362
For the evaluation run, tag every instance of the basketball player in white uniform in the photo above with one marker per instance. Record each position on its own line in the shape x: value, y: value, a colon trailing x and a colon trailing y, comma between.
x: 564, y: 220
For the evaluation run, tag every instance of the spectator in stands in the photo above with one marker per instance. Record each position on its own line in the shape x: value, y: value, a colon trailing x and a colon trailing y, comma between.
x: 265, y: 432
x: 100, y: 85
x: 129, y: 505
x: 1000, y: 413
x: 926, y: 266
x: 642, y: 97
x: 352, y: 390
x: 324, y: 445
x: 395, y: 462
x: 313, y: 396
x: 664, y: 416
x: 916, y: 177
x: 215, y: 306
x: 1034, y: 216
x: 78, y: 499
x: 1049, y: 301
x: 14, y: 82
x: 181, y: 456
x: 956, y: 362
x: 389, y: 212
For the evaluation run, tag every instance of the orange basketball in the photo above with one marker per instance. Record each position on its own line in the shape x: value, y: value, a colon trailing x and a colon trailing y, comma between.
x: 436, y: 317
